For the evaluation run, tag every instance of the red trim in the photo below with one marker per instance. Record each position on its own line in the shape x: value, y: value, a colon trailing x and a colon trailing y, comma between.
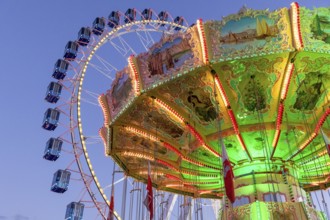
x: 279, y: 116
x: 321, y: 121
x: 167, y: 164
x: 233, y: 120
x: 200, y: 139
x: 278, y: 127
x: 172, y: 177
x: 170, y: 147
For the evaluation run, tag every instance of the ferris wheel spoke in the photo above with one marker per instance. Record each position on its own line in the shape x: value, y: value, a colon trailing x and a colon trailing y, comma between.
x: 90, y: 102
x: 145, y: 39
x: 115, y: 183
x: 106, y: 73
x: 92, y: 94
x: 92, y: 140
x: 123, y: 47
x: 154, y: 26
x: 90, y: 97
x: 106, y: 68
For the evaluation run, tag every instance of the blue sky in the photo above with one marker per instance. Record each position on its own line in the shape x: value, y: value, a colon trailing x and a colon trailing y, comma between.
x: 33, y: 36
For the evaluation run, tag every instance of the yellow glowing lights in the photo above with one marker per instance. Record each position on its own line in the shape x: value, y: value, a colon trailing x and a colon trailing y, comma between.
x: 286, y: 81
x: 168, y: 146
x: 200, y: 183
x: 276, y: 137
x: 308, y: 141
x: 202, y: 192
x: 222, y: 91
x: 174, y: 185
x: 103, y: 135
x: 170, y: 110
x: 142, y: 133
x: 104, y: 110
x: 145, y: 172
x: 202, y: 38
x: 138, y: 155
x: 322, y: 153
x: 198, y: 163
x: 135, y: 73
x: 210, y: 149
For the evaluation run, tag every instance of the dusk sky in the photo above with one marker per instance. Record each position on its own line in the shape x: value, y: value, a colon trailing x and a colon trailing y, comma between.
x: 34, y: 34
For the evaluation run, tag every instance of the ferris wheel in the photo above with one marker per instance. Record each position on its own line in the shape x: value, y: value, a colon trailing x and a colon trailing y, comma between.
x: 87, y: 69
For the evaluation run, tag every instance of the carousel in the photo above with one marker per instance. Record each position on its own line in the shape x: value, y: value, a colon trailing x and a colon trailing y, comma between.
x: 255, y: 84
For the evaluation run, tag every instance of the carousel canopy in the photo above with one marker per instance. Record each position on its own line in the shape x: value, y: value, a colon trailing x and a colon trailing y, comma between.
x: 256, y: 81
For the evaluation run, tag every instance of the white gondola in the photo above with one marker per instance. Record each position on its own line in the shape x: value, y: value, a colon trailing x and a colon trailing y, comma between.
x: 74, y: 211
x: 130, y: 15
x: 61, y: 181
x: 53, y: 149
x: 51, y: 118
x: 98, y: 26
x: 114, y: 19
x: 53, y: 92
x: 84, y: 36
x: 178, y: 20
x: 60, y: 69
x: 146, y: 14
x: 163, y: 16
x: 71, y: 50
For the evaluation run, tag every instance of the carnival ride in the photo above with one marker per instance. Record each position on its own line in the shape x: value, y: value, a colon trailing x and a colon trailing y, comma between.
x: 256, y: 82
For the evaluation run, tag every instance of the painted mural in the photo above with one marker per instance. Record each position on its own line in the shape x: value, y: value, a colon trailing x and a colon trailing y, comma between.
x: 195, y: 94
x: 316, y: 29
x: 320, y: 27
x: 248, y: 30
x: 250, y: 34
x: 252, y: 82
x: 168, y: 57
x: 254, y: 94
x: 309, y: 91
x: 199, y: 101
x: 121, y: 91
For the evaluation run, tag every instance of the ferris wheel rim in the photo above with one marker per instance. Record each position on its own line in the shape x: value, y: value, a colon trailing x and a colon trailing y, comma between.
x: 76, y: 101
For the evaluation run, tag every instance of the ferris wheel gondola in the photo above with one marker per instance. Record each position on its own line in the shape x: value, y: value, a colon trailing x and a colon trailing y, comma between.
x: 53, y: 149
